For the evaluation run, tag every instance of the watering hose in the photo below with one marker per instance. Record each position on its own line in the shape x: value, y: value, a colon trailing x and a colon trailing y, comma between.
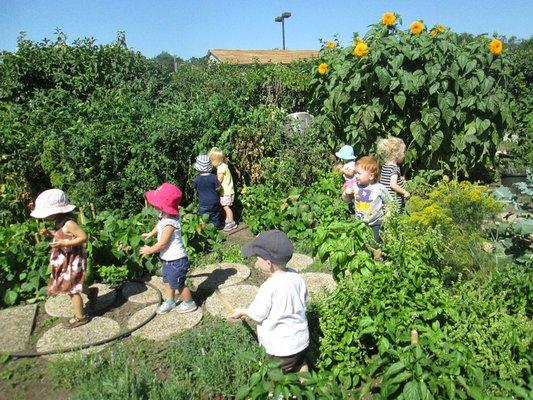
x: 99, y: 342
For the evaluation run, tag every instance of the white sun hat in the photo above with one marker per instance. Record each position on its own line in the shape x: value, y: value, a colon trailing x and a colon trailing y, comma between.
x: 50, y: 202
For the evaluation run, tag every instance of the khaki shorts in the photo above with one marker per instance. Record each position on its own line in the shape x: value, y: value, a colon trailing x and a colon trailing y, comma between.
x: 227, y: 200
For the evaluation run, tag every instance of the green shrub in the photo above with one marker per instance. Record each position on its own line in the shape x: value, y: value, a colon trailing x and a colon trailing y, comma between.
x: 447, y: 100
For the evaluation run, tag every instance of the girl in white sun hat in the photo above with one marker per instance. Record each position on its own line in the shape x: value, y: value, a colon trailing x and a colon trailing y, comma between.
x: 68, y: 258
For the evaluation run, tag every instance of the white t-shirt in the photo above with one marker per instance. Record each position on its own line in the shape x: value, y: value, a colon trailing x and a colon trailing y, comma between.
x: 175, y: 248
x: 279, y: 310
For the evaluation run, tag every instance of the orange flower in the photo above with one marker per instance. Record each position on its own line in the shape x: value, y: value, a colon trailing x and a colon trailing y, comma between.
x: 361, y: 49
x: 330, y: 44
x: 416, y: 27
x: 433, y: 32
x: 496, y: 47
x: 389, y: 19
x: 322, y: 68
x: 440, y: 28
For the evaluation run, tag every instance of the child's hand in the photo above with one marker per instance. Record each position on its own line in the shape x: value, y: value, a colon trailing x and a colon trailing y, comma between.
x: 145, y: 250
x: 60, y: 243
x: 407, y: 195
x: 348, y: 190
x: 45, y: 232
x: 237, y: 313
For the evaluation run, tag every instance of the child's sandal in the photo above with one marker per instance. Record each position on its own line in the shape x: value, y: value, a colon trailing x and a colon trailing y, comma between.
x: 74, y: 322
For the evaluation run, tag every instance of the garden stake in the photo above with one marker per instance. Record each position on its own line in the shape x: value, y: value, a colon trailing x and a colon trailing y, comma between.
x: 82, y: 216
x: 92, y: 210
x: 225, y: 301
x: 414, y: 337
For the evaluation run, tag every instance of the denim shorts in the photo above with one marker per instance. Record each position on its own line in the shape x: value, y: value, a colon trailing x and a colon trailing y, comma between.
x: 175, y: 272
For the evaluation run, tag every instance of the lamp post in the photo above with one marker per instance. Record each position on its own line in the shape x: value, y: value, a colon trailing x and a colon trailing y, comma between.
x: 281, y: 19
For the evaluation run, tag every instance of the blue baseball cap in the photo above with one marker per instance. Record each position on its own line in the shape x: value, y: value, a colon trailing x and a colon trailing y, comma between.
x: 346, y: 153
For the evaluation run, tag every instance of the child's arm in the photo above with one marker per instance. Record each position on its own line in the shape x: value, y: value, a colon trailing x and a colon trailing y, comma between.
x: 161, y: 243
x: 148, y: 235
x: 72, y: 228
x: 220, y: 176
x: 394, y: 186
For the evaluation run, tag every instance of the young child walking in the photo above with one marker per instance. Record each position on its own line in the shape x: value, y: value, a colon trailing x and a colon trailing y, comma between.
x: 392, y: 152
x: 227, y: 196
x: 68, y: 258
x: 369, y: 198
x: 347, y: 155
x: 280, y: 304
x: 206, y: 185
x: 170, y: 247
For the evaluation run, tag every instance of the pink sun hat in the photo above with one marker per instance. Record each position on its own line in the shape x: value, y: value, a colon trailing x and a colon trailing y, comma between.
x: 166, y: 198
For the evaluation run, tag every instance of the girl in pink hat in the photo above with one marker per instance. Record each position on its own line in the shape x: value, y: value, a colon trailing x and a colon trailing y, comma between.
x: 170, y: 247
x: 68, y: 258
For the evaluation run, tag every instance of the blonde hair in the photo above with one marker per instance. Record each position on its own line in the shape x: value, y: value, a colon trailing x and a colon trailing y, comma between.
x: 216, y: 156
x: 370, y: 165
x: 391, y: 149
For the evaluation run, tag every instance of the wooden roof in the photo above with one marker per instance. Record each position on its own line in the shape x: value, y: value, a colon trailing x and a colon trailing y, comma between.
x: 260, y: 56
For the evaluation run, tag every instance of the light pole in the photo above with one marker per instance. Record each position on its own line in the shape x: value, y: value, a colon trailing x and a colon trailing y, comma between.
x: 281, y: 19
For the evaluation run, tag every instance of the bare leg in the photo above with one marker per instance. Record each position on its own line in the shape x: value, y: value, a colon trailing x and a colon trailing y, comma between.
x: 77, y: 305
x: 229, y: 213
x: 169, y: 292
x: 185, y: 293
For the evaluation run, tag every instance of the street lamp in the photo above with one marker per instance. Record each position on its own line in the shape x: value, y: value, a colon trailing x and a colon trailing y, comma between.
x: 281, y: 19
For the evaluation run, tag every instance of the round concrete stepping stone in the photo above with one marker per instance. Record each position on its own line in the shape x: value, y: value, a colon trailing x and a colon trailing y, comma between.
x: 157, y: 281
x: 60, y: 306
x: 137, y: 292
x: 219, y: 275
x: 238, y: 296
x: 318, y: 282
x: 60, y: 337
x: 161, y: 327
x: 299, y: 261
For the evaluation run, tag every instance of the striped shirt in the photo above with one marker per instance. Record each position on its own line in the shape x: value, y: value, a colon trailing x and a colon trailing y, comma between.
x: 387, y: 172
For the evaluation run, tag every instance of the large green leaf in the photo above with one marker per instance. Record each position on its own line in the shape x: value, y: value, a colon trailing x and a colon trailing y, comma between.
x: 400, y: 98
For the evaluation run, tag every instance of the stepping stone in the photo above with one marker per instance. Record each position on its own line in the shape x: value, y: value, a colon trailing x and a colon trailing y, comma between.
x: 60, y: 306
x: 238, y: 296
x: 157, y: 281
x: 17, y: 324
x: 299, y: 261
x: 161, y: 327
x: 60, y: 337
x: 137, y: 292
x: 318, y: 282
x: 219, y: 275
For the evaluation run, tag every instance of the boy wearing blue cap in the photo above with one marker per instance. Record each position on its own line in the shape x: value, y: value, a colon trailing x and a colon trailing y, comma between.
x: 280, y: 304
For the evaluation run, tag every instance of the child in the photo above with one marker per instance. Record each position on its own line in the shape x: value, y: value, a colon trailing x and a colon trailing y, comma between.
x: 370, y: 197
x: 207, y: 184
x: 392, y: 152
x: 346, y: 154
x: 279, y: 306
x: 226, y: 181
x: 68, y: 258
x: 170, y: 247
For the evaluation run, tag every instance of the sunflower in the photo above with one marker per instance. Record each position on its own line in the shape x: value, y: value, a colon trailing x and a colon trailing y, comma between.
x: 440, y: 28
x: 357, y: 40
x: 322, y: 68
x: 496, y: 47
x: 433, y: 32
x: 389, y: 19
x: 361, y: 49
x: 416, y: 27
x: 330, y: 44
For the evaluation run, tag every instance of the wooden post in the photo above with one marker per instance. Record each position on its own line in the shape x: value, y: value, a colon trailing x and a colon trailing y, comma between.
x: 92, y: 210
x: 82, y: 216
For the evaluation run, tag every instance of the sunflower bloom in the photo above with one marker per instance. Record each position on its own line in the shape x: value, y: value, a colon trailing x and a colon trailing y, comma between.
x: 322, y: 68
x: 416, y: 27
x: 330, y: 44
x: 389, y: 19
x: 496, y: 47
x: 361, y: 49
x: 440, y: 28
x: 433, y: 32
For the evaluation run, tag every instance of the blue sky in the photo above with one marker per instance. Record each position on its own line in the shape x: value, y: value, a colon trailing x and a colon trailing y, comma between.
x: 190, y: 28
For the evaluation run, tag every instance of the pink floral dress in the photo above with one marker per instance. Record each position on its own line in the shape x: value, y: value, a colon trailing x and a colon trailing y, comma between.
x: 67, y: 265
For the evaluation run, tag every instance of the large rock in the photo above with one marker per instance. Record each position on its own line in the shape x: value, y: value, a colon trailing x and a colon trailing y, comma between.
x: 16, y: 326
x: 219, y: 275
x: 60, y: 306
x: 162, y: 327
